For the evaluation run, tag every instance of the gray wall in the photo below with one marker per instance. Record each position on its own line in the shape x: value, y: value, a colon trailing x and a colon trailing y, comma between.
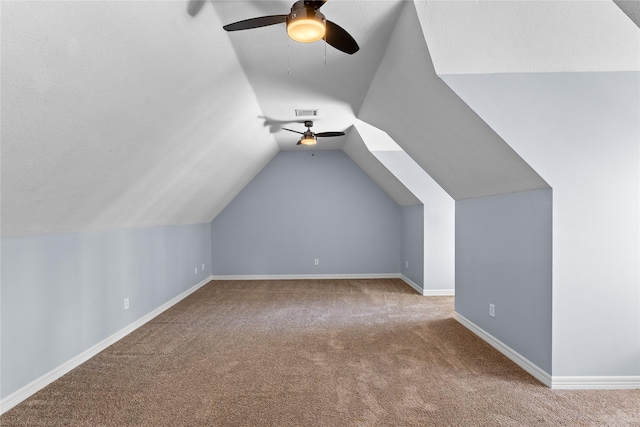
x: 305, y: 205
x: 580, y: 132
x: 412, y: 244
x: 503, y: 257
x: 64, y: 293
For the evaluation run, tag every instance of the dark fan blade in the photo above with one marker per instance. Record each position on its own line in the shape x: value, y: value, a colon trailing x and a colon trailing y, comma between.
x: 340, y: 39
x: 262, y: 21
x: 291, y: 130
x: 194, y: 6
x: 325, y: 134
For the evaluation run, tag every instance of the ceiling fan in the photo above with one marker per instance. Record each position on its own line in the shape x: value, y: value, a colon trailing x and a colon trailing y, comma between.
x: 305, y: 24
x: 309, y: 138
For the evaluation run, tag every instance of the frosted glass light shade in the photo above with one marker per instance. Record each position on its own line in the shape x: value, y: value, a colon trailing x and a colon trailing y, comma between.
x: 308, y: 140
x: 306, y: 30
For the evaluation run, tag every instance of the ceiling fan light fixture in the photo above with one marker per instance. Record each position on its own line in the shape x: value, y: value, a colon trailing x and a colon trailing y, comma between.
x: 306, y: 25
x: 306, y: 30
x: 308, y: 140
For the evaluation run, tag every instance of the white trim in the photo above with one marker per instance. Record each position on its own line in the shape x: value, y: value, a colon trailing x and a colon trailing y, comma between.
x: 513, y: 355
x: 427, y: 292
x: 413, y: 284
x: 439, y: 292
x: 38, y: 384
x: 554, y: 382
x: 595, y: 383
x: 306, y: 276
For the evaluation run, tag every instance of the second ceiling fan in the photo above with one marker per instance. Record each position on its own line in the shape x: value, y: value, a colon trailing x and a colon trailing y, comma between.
x: 305, y: 24
x: 309, y: 138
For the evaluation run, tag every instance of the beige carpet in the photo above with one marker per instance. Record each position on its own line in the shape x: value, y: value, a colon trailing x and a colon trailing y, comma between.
x: 311, y: 353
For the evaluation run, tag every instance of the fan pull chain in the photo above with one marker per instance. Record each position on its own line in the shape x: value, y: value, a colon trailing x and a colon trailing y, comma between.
x: 325, y: 49
x: 288, y: 58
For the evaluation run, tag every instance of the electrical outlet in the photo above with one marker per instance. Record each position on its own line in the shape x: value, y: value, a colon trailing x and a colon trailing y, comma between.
x: 195, y: 270
x: 202, y: 267
x: 316, y: 261
x: 492, y: 310
x: 406, y: 264
x: 126, y: 303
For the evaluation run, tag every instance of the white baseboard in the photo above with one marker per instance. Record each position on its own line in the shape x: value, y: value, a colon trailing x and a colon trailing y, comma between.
x: 596, y: 383
x: 306, y: 276
x: 513, y: 355
x: 554, y: 382
x: 413, y: 284
x: 439, y: 292
x: 38, y: 384
x: 428, y: 292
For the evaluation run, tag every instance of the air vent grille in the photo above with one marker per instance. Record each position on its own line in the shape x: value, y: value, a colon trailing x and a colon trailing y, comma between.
x: 300, y: 113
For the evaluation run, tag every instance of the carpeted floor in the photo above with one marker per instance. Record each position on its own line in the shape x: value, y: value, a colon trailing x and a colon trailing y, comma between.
x: 311, y: 353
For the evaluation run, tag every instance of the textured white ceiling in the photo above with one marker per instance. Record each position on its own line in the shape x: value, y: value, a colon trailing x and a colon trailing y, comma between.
x: 121, y: 114
x: 356, y: 148
x: 435, y: 127
x: 287, y: 75
x: 631, y: 8
x: 514, y: 36
x: 132, y: 113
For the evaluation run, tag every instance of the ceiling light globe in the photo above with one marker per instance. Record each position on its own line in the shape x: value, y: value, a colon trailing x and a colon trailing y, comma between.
x: 308, y: 140
x: 306, y: 30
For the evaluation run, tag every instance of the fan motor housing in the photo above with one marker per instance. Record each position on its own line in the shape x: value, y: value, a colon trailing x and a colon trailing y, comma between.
x: 300, y: 10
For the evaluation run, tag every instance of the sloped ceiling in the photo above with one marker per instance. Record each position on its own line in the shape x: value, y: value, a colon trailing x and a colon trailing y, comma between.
x: 530, y: 36
x: 434, y: 126
x: 363, y: 157
x: 287, y: 75
x: 123, y: 114
x: 132, y: 114
x: 631, y: 8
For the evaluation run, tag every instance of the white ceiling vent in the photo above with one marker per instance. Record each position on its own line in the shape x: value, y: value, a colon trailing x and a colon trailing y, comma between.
x: 300, y: 113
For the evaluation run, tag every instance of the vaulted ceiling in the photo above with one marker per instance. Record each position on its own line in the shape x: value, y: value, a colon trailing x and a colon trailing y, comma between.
x: 123, y: 114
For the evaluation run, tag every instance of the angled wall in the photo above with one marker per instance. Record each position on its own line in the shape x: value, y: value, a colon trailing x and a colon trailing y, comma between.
x: 307, y: 205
